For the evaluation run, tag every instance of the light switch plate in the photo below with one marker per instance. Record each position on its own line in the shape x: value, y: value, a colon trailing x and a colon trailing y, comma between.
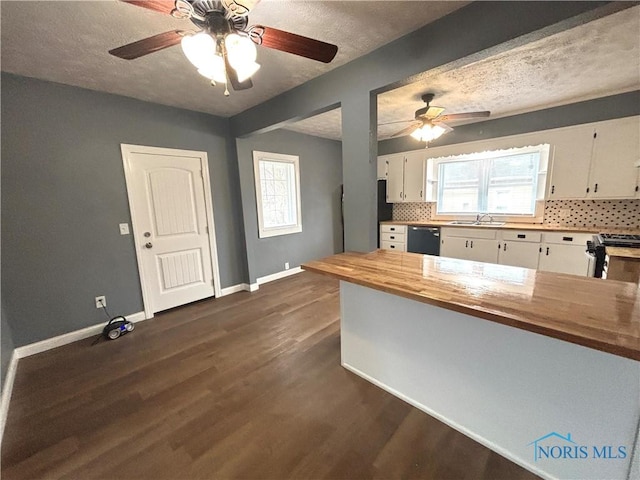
x: 124, y: 229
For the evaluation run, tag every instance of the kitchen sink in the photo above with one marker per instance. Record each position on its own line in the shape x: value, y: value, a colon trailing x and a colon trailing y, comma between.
x: 476, y: 223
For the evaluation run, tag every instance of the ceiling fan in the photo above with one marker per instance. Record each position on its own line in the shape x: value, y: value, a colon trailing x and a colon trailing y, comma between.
x: 224, y: 47
x: 428, y: 123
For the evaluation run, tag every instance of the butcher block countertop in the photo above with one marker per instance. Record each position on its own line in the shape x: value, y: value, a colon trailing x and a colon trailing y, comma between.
x: 633, y: 253
x: 515, y: 226
x: 604, y: 315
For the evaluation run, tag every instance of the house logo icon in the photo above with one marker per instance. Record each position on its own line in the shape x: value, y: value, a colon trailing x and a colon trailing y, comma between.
x: 542, y: 447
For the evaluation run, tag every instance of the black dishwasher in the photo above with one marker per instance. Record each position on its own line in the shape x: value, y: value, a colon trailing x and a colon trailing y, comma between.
x: 424, y: 240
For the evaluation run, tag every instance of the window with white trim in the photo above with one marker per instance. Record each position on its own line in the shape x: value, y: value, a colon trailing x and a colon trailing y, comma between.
x: 501, y: 182
x: 277, y: 179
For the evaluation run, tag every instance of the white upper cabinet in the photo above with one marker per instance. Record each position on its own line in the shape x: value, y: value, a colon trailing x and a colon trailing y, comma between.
x: 638, y: 179
x: 405, y: 176
x: 414, y: 177
x: 615, y: 153
x: 596, y: 160
x: 382, y: 168
x: 395, y: 178
x: 572, y: 150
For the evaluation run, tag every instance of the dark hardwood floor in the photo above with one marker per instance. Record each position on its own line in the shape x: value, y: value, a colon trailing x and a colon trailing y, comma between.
x: 246, y: 386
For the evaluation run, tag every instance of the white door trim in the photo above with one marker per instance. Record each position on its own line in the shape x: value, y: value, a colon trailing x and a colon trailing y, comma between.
x: 127, y: 151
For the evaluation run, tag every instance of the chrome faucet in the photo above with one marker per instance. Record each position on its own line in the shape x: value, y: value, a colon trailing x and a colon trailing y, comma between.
x: 479, y: 218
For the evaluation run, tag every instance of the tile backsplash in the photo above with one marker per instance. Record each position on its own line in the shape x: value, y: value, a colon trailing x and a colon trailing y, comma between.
x: 557, y: 213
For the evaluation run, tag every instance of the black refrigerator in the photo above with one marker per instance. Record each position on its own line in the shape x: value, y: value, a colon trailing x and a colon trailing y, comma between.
x: 385, y: 210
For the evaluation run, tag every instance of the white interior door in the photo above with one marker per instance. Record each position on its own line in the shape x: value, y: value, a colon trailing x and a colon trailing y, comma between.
x: 168, y: 201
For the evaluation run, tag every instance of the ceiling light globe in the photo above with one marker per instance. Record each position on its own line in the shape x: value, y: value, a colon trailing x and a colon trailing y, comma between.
x: 241, y: 50
x: 199, y: 49
x: 214, y: 70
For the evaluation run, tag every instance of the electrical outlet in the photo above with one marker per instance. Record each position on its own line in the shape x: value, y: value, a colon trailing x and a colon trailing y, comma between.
x: 286, y: 265
x: 124, y: 229
x: 101, y: 301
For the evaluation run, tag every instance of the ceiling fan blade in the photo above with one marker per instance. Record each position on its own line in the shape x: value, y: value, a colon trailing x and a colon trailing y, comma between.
x: 398, y: 121
x: 232, y: 75
x: 454, y: 117
x: 429, y: 113
x: 148, y: 45
x: 162, y: 6
x: 293, y: 43
x: 406, y: 131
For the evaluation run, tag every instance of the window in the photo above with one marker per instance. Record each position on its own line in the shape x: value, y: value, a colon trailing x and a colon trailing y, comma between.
x: 277, y: 180
x: 502, y: 182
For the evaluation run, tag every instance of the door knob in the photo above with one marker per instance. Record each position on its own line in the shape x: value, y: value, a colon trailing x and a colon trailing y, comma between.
x: 148, y: 245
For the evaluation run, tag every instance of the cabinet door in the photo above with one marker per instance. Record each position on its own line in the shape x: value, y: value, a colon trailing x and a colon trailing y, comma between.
x: 414, y: 177
x: 455, y: 247
x: 570, y: 259
x: 482, y: 250
x: 572, y: 150
x: 395, y: 178
x: 519, y: 254
x: 616, y: 150
x: 382, y: 168
x: 638, y: 180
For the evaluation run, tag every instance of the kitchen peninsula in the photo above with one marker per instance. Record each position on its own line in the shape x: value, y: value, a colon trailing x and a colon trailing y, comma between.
x: 504, y: 354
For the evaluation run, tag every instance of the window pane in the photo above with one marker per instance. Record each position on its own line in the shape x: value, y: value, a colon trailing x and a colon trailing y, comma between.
x: 511, y: 186
x: 459, y: 188
x: 278, y: 194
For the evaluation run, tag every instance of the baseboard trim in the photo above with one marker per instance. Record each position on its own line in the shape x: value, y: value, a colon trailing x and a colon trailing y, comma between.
x: 7, y: 389
x: 278, y: 275
x: 456, y: 426
x: 241, y: 287
x: 252, y: 287
x: 66, y: 338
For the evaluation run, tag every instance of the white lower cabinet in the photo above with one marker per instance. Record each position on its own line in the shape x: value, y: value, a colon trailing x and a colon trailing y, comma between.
x: 519, y: 248
x: 393, y: 237
x: 565, y: 252
x: 479, y: 245
x: 560, y: 252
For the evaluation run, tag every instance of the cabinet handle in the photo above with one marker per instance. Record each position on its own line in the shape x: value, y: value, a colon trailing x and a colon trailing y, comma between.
x: 504, y: 249
x: 595, y: 189
x: 567, y: 239
x: 540, y: 250
x: 393, y: 229
x: 637, y: 188
x: 547, y: 250
x: 522, y: 235
x: 553, y: 189
x: 587, y: 189
x: 420, y: 193
x: 466, y: 244
x: 498, y: 246
x: 471, y: 243
x: 392, y: 237
x: 392, y: 246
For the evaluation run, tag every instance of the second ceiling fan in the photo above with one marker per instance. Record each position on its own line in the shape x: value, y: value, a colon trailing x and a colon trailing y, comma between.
x: 224, y: 47
x: 428, y: 123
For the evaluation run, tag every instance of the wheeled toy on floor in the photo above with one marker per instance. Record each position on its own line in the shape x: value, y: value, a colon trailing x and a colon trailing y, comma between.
x: 117, y: 326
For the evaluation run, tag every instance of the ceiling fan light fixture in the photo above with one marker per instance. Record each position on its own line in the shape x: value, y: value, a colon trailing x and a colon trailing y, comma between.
x: 246, y: 71
x: 199, y: 49
x: 428, y: 132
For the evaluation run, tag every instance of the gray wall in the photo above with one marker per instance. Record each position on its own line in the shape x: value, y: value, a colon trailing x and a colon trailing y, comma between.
x: 606, y: 108
x: 320, y: 180
x: 6, y: 346
x: 64, y: 193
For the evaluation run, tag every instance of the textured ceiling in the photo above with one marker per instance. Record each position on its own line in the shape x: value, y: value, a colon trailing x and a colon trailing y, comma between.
x: 67, y: 42
x: 595, y: 59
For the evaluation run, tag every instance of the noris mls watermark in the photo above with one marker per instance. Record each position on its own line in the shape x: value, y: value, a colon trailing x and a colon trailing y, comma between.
x: 554, y: 446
